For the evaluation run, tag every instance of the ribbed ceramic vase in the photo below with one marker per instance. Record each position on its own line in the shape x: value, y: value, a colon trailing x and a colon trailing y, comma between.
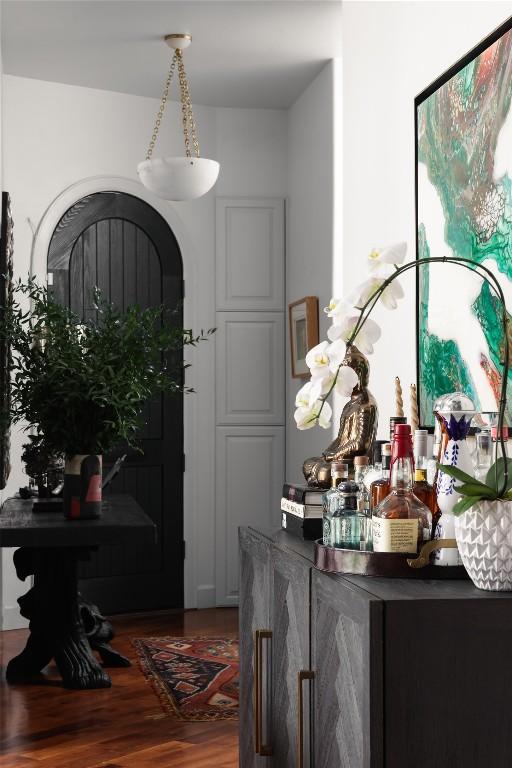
x: 484, y: 539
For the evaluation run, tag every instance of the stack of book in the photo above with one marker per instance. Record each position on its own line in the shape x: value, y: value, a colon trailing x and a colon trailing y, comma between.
x: 301, y: 510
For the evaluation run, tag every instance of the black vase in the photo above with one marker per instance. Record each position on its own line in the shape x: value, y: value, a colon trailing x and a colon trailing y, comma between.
x: 82, y: 487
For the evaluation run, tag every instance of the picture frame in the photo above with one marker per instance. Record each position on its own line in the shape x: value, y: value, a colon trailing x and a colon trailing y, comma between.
x: 463, y: 191
x: 6, y: 272
x: 303, y: 321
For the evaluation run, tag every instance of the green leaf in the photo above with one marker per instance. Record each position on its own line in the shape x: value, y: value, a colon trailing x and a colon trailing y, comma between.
x: 466, y: 503
x: 458, y: 474
x: 476, y: 489
x: 496, y: 475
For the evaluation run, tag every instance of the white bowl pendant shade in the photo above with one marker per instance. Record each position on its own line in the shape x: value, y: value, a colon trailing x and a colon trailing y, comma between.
x: 178, y: 178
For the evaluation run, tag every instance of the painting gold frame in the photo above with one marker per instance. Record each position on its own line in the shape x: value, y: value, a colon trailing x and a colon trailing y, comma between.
x: 303, y: 320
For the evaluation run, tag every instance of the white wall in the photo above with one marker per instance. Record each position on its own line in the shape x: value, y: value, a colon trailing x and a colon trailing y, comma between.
x: 310, y: 233
x: 391, y: 52
x: 55, y: 135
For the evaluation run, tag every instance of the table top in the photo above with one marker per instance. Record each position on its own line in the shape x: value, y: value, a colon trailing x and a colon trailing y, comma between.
x: 122, y: 521
x: 388, y: 589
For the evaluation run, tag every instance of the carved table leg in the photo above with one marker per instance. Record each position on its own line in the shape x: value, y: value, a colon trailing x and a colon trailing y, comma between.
x: 56, y: 629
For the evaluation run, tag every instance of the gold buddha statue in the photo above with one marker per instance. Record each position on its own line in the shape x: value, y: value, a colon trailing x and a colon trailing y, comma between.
x: 358, y: 426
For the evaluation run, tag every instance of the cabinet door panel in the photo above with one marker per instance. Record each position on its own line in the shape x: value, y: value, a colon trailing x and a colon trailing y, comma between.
x: 290, y: 602
x: 253, y: 615
x: 249, y: 368
x: 250, y: 253
x: 346, y: 639
x: 250, y: 471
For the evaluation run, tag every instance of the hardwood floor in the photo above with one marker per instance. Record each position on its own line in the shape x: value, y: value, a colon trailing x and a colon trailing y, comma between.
x: 45, y: 726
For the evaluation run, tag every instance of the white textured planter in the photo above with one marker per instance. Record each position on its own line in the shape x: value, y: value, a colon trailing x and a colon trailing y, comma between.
x: 484, y: 538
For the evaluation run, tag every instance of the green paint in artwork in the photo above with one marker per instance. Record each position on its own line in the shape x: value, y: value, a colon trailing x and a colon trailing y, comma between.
x: 487, y: 308
x: 458, y: 130
x: 442, y: 366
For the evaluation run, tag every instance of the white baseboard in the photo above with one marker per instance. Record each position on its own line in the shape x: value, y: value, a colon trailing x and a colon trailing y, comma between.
x: 206, y: 596
x: 11, y: 618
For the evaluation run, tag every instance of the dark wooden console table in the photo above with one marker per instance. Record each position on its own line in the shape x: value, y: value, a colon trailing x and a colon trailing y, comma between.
x: 355, y: 672
x: 50, y: 550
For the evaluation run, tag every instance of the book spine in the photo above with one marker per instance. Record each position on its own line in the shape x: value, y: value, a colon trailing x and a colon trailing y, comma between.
x: 292, y: 507
x: 303, y: 529
x: 292, y: 493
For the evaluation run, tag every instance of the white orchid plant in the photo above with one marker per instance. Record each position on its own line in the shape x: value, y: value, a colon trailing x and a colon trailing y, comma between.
x: 351, y: 324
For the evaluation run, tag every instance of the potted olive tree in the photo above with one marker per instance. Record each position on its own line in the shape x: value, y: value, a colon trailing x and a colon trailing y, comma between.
x: 81, y: 385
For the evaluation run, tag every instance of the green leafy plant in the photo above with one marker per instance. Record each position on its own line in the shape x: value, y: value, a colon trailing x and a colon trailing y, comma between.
x: 82, y: 385
x: 498, y: 485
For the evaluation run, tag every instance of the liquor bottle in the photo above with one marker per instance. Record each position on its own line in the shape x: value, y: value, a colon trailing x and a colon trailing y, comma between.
x: 422, y: 488
x: 361, y: 470
x: 332, y: 499
x: 346, y: 519
x: 424, y: 491
x: 379, y: 489
x: 401, y: 523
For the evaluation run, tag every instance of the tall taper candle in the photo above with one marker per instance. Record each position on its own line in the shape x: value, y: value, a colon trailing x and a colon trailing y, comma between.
x: 415, y: 419
x: 399, y: 403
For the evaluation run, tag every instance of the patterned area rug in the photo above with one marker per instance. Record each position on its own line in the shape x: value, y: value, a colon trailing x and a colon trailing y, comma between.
x: 196, y: 678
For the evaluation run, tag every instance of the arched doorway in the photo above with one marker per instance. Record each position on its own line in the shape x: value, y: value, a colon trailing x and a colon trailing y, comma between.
x: 121, y: 244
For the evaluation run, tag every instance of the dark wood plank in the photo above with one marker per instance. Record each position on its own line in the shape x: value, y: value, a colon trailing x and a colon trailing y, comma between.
x: 45, y: 726
x: 122, y: 520
x: 290, y: 605
x: 254, y: 614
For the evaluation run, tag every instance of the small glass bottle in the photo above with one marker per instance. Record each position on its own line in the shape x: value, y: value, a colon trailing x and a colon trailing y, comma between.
x: 379, y: 489
x: 346, y: 519
x: 332, y: 499
x: 361, y: 469
x: 484, y: 453
x: 496, y: 444
x: 401, y: 523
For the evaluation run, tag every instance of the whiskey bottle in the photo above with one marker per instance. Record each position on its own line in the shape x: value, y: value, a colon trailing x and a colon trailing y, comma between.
x: 379, y: 489
x: 401, y: 523
x: 332, y: 499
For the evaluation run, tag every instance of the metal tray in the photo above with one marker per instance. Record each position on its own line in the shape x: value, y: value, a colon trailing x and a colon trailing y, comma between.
x: 400, y: 565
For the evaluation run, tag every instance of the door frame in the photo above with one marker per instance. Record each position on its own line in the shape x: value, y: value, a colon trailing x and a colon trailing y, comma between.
x: 198, y: 441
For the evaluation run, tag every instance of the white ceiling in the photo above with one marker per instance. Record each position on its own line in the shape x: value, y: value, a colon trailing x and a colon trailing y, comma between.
x: 244, y: 53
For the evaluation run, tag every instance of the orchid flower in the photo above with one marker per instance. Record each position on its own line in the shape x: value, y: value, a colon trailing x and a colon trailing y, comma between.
x: 317, y: 360
x: 336, y: 308
x: 389, y: 296
x: 320, y: 412
x: 366, y: 336
x: 308, y: 394
x: 392, y: 254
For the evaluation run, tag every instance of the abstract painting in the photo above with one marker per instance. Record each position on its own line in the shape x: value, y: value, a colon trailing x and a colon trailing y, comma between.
x: 464, y: 209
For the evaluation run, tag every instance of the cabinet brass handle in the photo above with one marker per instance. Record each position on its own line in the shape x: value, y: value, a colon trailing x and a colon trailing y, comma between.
x: 304, y: 674
x: 257, y: 690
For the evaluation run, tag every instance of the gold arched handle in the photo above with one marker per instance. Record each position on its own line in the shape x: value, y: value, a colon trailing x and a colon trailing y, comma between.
x: 304, y: 674
x: 257, y: 690
x: 423, y: 558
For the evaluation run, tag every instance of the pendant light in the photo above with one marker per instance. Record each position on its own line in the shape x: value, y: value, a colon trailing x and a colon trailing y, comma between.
x: 178, y: 178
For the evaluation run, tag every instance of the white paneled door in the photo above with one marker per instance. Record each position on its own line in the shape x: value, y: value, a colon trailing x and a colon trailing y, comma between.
x: 250, y: 471
x: 250, y: 376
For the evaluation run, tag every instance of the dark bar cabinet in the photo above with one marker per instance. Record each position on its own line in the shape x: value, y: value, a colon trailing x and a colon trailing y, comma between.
x: 354, y: 672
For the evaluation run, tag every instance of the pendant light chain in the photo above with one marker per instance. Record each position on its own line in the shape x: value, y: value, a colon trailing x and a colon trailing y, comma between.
x: 160, y: 113
x: 189, y: 123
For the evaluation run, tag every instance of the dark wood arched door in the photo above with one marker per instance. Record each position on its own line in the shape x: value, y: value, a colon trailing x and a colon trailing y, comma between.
x: 122, y: 245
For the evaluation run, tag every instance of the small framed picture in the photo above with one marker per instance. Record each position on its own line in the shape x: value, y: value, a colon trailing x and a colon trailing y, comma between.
x: 303, y: 317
